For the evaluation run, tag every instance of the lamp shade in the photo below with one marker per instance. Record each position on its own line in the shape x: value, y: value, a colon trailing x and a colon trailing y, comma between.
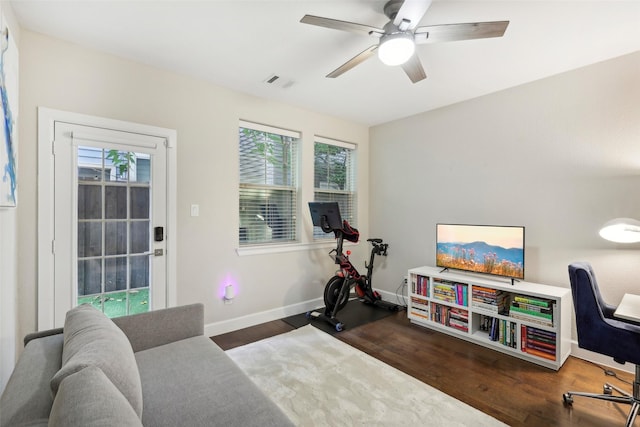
x: 621, y: 230
x: 396, y: 48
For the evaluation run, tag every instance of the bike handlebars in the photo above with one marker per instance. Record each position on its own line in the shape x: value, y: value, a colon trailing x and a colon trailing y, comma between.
x: 379, y: 248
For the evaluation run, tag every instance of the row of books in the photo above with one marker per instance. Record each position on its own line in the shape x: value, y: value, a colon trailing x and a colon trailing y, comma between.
x: 420, y: 286
x: 538, y: 342
x: 456, y: 318
x: 500, y: 330
x: 494, y: 300
x: 452, y: 292
x: 532, y: 309
x: 419, y: 308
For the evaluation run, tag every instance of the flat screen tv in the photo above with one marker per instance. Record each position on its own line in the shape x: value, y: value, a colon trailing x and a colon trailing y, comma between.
x: 489, y: 249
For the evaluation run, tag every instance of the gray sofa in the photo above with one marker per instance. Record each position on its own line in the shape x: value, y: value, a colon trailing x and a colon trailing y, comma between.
x: 151, y: 369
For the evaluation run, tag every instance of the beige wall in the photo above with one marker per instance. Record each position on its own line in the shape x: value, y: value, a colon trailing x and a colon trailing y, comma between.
x: 8, y: 255
x: 560, y: 156
x: 64, y: 76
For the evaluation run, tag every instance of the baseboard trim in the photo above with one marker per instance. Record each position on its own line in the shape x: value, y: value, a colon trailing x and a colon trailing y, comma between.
x: 599, y: 359
x: 393, y: 297
x: 230, y: 325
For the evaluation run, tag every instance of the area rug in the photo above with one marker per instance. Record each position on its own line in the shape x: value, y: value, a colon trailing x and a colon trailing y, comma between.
x: 355, y: 313
x: 318, y: 380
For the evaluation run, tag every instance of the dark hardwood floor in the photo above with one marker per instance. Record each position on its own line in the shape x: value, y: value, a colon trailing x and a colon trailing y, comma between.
x: 514, y: 391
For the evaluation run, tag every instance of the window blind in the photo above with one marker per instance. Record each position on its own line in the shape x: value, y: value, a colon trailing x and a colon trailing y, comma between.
x: 268, y: 184
x: 335, y: 179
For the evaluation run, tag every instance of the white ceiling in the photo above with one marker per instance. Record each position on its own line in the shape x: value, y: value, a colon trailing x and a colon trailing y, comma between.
x: 241, y: 43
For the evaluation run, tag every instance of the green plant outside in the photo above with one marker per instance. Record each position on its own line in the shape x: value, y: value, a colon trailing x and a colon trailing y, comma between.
x: 121, y: 160
x: 331, y: 165
x: 115, y: 304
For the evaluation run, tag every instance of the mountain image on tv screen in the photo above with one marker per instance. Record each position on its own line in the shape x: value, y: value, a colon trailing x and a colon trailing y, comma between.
x: 497, y: 250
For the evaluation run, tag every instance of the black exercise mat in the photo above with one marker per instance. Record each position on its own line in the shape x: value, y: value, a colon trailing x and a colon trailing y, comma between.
x: 355, y: 313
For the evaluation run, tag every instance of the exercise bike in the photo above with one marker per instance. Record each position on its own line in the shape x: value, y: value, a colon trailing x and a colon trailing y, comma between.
x: 326, y: 215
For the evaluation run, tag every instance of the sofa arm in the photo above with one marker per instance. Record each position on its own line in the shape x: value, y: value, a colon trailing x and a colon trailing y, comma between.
x: 159, y: 327
x: 41, y: 334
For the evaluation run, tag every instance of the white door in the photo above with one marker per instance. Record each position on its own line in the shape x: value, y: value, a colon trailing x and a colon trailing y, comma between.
x: 109, y: 222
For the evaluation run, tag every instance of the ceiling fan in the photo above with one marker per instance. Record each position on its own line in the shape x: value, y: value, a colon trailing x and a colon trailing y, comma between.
x: 397, y: 39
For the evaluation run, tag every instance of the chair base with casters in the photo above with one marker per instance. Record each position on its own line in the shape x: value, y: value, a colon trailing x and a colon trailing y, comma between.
x: 601, y: 332
x: 607, y: 394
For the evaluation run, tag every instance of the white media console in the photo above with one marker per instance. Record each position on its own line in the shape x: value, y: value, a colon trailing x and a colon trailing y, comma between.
x: 526, y: 320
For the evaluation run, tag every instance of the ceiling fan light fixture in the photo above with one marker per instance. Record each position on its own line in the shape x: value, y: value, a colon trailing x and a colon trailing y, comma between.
x: 396, y: 49
x: 621, y: 230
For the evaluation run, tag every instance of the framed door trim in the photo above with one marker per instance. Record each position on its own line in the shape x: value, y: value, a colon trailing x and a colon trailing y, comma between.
x: 46, y: 133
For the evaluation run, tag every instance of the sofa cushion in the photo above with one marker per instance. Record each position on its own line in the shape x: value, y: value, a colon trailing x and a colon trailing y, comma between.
x: 192, y: 382
x: 92, y: 339
x: 26, y: 399
x: 88, y: 399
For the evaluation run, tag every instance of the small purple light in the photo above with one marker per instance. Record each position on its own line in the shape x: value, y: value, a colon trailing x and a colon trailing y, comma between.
x: 222, y: 288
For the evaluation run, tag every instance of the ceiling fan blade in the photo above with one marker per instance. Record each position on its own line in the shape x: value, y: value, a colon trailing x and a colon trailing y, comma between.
x: 411, y: 13
x: 358, y: 59
x: 455, y: 32
x: 414, y: 69
x: 336, y: 24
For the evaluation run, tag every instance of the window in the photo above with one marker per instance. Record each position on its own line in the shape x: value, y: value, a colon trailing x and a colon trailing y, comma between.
x: 268, y: 184
x: 114, y: 229
x: 334, y: 179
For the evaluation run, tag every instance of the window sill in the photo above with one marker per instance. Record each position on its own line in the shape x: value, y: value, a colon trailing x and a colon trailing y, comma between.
x: 290, y: 247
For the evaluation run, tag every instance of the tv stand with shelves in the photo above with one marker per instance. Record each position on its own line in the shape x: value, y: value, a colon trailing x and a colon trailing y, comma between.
x: 527, y: 320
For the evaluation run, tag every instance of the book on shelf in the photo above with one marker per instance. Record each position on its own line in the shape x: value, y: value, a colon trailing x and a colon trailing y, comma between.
x: 541, y: 345
x: 531, y: 318
x: 450, y: 316
x: 418, y: 301
x: 494, y: 300
x: 420, y: 286
x: 542, y: 315
x: 541, y: 334
x: 541, y: 302
x: 532, y: 308
x: 499, y: 330
x: 538, y: 342
x: 452, y: 292
x: 542, y: 354
x: 422, y: 314
x: 419, y: 307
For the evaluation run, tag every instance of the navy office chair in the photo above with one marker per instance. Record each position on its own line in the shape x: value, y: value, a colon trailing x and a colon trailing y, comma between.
x: 600, y: 332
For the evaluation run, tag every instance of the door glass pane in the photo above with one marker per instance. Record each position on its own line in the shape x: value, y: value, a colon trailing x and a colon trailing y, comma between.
x: 114, y: 223
x: 140, y: 168
x: 139, y: 202
x: 90, y: 164
x: 115, y: 274
x: 89, y: 277
x: 89, y: 239
x: 115, y: 202
x: 119, y: 164
x: 89, y: 201
x: 139, y: 271
x: 138, y: 301
x: 115, y: 237
x: 139, y: 237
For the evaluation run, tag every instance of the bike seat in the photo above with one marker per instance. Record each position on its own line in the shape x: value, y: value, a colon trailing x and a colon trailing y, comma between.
x: 374, y: 240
